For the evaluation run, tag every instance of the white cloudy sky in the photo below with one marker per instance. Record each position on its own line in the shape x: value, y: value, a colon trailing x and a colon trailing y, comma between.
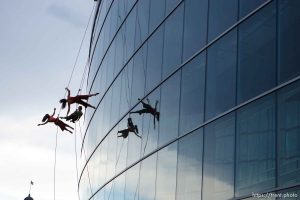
x: 39, y: 41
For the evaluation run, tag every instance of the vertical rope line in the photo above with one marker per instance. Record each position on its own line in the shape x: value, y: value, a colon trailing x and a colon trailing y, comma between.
x: 75, y: 135
x: 87, y: 169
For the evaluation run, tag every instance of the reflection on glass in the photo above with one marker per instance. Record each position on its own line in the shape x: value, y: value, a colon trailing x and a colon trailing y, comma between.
x: 132, y: 183
x: 222, y: 15
x: 288, y: 39
x: 221, y: 75
x: 289, y: 135
x: 169, y: 109
x: 170, y: 5
x: 173, y: 41
x: 147, y: 178
x: 142, y: 21
x: 257, y: 51
x: 157, y: 13
x: 119, y: 191
x: 255, y: 170
x: 192, y: 93
x: 247, y: 6
x: 154, y: 59
x: 139, y: 75
x: 218, y: 182
x: 166, y: 173
x: 195, y: 26
x: 189, y: 175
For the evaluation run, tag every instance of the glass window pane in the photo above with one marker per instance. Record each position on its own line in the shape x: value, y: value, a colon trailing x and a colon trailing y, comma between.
x: 218, y: 182
x: 130, y: 24
x: 221, y: 76
x: 173, y: 41
x: 289, y: 135
x: 195, y: 26
x: 132, y: 181
x: 170, y: 5
x: 169, y: 109
x: 222, y: 15
x: 189, y: 175
x: 192, y: 93
x: 139, y: 75
x: 255, y: 170
x: 289, y: 40
x: 247, y: 6
x: 257, y: 51
x: 157, y: 13
x: 166, y: 173
x: 147, y: 178
x: 154, y: 59
x: 141, y: 29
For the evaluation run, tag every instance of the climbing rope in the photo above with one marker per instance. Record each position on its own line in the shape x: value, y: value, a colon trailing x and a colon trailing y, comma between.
x: 71, y: 76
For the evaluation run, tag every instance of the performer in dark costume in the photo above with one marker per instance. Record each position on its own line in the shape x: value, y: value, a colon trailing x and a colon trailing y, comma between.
x: 75, y: 116
x: 77, y: 99
x: 147, y: 108
x: 130, y: 128
x: 63, y: 126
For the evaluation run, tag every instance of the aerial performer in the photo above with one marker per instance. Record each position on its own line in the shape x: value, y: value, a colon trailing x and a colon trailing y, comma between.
x: 63, y: 126
x: 75, y: 116
x: 77, y: 99
x: 130, y: 128
x: 147, y: 108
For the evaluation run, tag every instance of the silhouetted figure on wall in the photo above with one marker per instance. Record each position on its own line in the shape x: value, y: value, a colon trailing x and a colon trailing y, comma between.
x: 130, y: 128
x: 147, y: 108
x: 47, y: 118
x: 77, y: 99
x: 75, y: 116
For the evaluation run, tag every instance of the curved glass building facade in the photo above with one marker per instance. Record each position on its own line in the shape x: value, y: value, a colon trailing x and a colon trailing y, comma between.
x: 226, y: 76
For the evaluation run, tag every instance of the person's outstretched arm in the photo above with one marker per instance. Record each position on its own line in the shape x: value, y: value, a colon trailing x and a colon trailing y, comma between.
x: 53, y: 112
x: 43, y: 123
x: 69, y: 93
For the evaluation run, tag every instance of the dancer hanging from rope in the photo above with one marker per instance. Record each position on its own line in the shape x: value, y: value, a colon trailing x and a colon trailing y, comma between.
x: 77, y: 99
x: 147, y: 108
x: 130, y: 128
x: 63, y: 126
x: 75, y: 116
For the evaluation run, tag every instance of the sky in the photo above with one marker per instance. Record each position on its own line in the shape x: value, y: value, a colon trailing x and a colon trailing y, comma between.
x: 39, y: 42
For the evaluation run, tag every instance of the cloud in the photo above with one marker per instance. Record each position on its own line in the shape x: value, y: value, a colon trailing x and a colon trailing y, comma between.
x: 66, y: 14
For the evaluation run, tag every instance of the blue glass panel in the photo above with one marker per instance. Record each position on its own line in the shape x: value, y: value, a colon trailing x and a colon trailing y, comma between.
x: 189, y: 175
x: 173, y: 41
x: 218, y: 182
x: 255, y: 169
x: 147, y: 178
x: 132, y: 181
x: 142, y: 22
x: 169, y: 109
x: 221, y: 76
x: 166, y: 173
x: 170, y: 4
x: 192, y: 93
x: 222, y: 15
x: 195, y: 26
x: 247, y: 6
x: 289, y: 135
x: 157, y: 13
x: 139, y: 75
x: 289, y: 40
x: 257, y: 54
x: 154, y: 59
